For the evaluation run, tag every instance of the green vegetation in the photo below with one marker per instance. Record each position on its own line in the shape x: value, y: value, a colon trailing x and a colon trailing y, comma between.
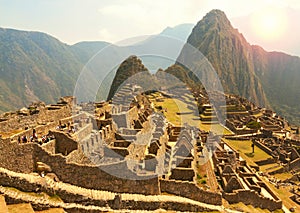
x: 130, y: 68
x: 199, y: 177
x: 203, y: 181
x: 253, y: 125
x: 34, y: 66
x: 270, y: 167
x: 216, y: 128
x: 245, y: 150
x: 55, y: 197
x: 268, y: 79
x: 170, y: 108
x: 283, y: 176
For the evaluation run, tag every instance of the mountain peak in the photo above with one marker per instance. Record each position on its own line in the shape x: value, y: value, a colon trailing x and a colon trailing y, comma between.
x: 230, y: 55
x: 217, y: 19
x: 216, y: 13
x: 126, y: 72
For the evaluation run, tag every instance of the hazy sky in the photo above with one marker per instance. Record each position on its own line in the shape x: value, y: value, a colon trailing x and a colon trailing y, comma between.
x: 72, y: 21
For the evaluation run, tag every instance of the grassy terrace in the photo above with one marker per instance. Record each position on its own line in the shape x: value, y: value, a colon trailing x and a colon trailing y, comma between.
x: 172, y: 109
x: 245, y: 150
x: 270, y: 167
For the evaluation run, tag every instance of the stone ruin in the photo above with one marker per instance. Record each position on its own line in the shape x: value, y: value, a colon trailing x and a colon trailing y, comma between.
x: 124, y: 147
x: 240, y: 183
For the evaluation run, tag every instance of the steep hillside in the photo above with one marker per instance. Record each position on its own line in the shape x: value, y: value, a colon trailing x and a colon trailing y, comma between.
x: 34, y: 66
x: 228, y: 52
x: 181, y: 31
x: 87, y: 49
x: 268, y: 79
x: 280, y: 77
x: 127, y: 71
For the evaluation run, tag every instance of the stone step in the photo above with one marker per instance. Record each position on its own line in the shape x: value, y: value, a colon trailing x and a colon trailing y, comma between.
x: 3, y: 207
x: 20, y: 208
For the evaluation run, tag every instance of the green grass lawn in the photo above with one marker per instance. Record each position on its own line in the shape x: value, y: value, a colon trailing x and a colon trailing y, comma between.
x: 269, y: 167
x: 283, y: 176
x: 245, y: 150
x: 215, y: 128
x: 173, y: 106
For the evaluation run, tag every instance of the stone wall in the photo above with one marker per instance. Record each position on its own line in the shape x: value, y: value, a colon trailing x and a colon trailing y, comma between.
x: 250, y: 197
x: 40, y: 129
x: 263, y: 147
x: 95, y: 177
x: 50, y: 146
x: 190, y: 190
x: 130, y: 202
x: 16, y: 157
x: 64, y: 144
x: 44, y: 116
x: 83, y: 132
x: 295, y: 164
x: 180, y: 173
x: 73, y: 118
x: 22, y: 158
x: 266, y: 161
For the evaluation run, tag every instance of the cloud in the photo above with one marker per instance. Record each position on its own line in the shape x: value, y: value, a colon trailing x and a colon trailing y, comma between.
x: 128, y: 11
x: 143, y: 17
x: 106, y: 35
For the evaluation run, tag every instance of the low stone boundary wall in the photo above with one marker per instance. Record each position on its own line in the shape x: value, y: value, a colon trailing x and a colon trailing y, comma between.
x: 280, y: 170
x: 250, y: 197
x: 263, y: 147
x: 266, y: 161
x: 23, y: 157
x: 40, y: 129
x: 295, y: 164
x: 190, y: 190
x: 110, y: 200
x: 102, y: 177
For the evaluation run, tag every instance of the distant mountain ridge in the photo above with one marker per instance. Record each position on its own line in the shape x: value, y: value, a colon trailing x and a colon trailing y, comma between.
x: 181, y: 31
x: 36, y: 66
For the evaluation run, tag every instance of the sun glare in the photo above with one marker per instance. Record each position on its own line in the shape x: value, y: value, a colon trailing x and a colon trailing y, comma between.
x: 269, y: 24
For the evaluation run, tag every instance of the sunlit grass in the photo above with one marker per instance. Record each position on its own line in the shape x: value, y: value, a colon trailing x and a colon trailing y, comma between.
x: 245, y: 150
x: 173, y: 107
